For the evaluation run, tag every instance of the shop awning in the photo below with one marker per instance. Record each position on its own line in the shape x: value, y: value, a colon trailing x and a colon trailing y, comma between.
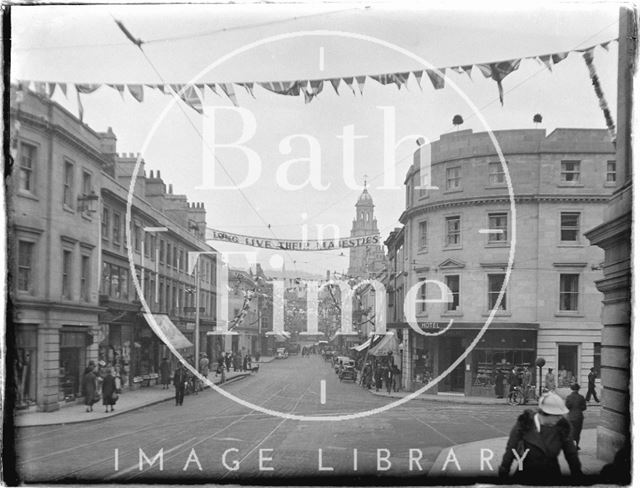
x: 388, y: 344
x: 363, y: 346
x: 167, y: 330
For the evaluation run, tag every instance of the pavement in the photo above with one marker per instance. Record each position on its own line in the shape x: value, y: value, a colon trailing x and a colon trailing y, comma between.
x: 129, y: 400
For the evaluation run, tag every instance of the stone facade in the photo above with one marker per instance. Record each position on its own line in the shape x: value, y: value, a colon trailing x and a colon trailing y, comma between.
x: 462, y: 234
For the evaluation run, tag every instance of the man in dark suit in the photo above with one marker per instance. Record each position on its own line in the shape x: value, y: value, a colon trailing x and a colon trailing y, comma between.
x: 591, y: 390
x: 576, y: 404
x: 179, y: 380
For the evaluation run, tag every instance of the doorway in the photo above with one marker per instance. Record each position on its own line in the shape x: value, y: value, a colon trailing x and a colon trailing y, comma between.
x: 449, y: 350
x: 567, y: 365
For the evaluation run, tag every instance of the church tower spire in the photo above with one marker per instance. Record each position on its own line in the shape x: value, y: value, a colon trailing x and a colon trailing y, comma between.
x: 361, y: 259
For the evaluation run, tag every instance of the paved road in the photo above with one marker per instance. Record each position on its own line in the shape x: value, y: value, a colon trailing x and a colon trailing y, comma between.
x: 194, y: 437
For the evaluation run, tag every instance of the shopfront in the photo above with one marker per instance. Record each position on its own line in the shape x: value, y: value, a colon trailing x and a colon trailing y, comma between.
x: 501, y: 348
x: 26, y: 367
x: 72, y: 361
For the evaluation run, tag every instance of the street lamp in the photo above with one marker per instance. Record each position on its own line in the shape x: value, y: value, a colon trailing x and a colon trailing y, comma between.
x: 151, y: 230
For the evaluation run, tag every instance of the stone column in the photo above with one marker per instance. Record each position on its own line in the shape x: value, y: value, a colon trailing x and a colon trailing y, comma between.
x: 407, y: 372
x: 49, y: 368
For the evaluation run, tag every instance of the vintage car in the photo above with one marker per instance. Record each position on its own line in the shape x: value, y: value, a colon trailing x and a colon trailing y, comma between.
x: 281, y: 353
x: 337, y: 362
x: 348, y: 371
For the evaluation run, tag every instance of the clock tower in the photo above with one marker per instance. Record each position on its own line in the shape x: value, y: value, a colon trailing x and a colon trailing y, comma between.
x: 365, y: 261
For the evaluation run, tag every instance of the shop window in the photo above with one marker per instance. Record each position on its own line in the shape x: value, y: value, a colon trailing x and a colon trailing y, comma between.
x: 28, y: 158
x: 570, y: 171
x: 611, y: 172
x: 569, y: 291
x: 498, y: 227
x: 66, y: 274
x: 496, y: 174
x: 25, y: 367
x: 567, y: 365
x: 25, y: 266
x: 72, y: 363
x: 453, y: 283
x: 495, y: 285
x: 453, y: 231
x: 422, y: 236
x: 570, y: 226
x: 67, y: 190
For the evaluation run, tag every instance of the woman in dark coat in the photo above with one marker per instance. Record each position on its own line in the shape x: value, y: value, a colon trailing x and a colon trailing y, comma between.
x: 108, y: 391
x: 89, y: 383
x: 499, y: 388
x: 541, y: 436
x: 165, y: 373
x: 576, y: 404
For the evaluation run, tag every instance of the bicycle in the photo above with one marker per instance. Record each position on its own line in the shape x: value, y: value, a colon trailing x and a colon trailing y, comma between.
x: 520, y: 395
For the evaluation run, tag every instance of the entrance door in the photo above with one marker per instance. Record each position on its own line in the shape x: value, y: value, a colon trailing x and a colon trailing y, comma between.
x: 567, y: 365
x: 449, y: 350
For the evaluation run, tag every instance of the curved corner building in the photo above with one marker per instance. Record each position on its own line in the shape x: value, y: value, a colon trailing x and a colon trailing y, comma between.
x: 460, y: 234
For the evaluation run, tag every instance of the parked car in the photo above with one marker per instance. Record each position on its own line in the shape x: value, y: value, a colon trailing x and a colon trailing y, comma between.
x: 340, y: 360
x: 281, y: 353
x: 348, y: 371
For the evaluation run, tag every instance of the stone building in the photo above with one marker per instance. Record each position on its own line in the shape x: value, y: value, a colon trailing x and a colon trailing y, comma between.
x: 71, y: 290
x: 461, y: 235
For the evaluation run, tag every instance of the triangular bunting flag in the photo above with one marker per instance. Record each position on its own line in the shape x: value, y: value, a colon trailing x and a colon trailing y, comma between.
x: 467, y: 69
x: 191, y: 97
x: 249, y: 88
x: 349, y: 83
x: 546, y: 60
x: 335, y: 83
x: 313, y: 88
x: 162, y: 88
x: 40, y: 87
x: 289, y: 88
x: 457, y: 69
x: 120, y: 89
x: 51, y: 88
x: 559, y: 57
x: 418, y: 77
x: 63, y: 87
x: 605, y: 45
x: 228, y: 90
x: 80, y: 107
x: 437, y: 78
x: 361, y: 80
x: 498, y: 71
x: 86, y: 87
x: 212, y: 87
x: 136, y: 91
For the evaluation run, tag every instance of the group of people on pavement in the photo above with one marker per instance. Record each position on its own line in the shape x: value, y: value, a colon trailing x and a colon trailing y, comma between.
x: 98, y: 383
x: 537, y: 438
x: 379, y: 372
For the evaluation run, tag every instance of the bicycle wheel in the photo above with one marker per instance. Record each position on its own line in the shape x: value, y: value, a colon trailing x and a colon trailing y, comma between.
x: 512, y: 398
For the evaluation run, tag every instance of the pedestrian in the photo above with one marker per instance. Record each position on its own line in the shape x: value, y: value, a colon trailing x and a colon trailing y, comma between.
x: 227, y: 360
x: 576, y: 404
x: 109, y: 395
x: 591, y: 387
x: 179, y: 381
x: 499, y: 387
x: 513, y: 380
x: 388, y: 379
x: 89, y: 387
x: 165, y: 373
x: 257, y: 356
x: 245, y: 362
x: 550, y: 380
x: 204, y: 365
x: 537, y: 438
x: 397, y: 378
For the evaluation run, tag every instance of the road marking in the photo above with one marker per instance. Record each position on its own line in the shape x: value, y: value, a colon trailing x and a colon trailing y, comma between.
x: 321, y: 58
x: 491, y: 231
x: 434, y: 429
x: 323, y: 392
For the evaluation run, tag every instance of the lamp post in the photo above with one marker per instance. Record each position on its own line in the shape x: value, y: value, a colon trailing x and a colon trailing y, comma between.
x: 151, y: 230
x: 540, y: 362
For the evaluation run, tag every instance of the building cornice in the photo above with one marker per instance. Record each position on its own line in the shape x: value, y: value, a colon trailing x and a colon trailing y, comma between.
x: 48, y: 305
x: 500, y: 199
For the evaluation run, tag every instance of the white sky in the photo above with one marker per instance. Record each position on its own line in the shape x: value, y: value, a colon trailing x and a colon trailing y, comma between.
x: 83, y: 44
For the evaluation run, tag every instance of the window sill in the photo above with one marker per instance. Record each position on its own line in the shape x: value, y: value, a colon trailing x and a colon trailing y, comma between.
x: 611, y: 184
x: 86, y: 216
x: 28, y: 195
x: 500, y: 244
x: 501, y: 186
x: 568, y: 244
x: 499, y: 313
x: 452, y: 313
x: 568, y: 313
x: 570, y: 185
x: 67, y: 208
x: 453, y: 190
x: 422, y: 251
x: 452, y: 248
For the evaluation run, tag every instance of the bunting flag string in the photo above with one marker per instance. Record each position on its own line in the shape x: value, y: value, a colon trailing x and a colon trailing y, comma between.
x: 193, y: 95
x: 595, y: 81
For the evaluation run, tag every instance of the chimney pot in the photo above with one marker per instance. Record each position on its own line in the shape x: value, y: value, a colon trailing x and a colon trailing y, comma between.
x: 171, y: 188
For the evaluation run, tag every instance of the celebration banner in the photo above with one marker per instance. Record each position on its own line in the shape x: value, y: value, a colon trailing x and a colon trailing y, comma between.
x: 292, y: 244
